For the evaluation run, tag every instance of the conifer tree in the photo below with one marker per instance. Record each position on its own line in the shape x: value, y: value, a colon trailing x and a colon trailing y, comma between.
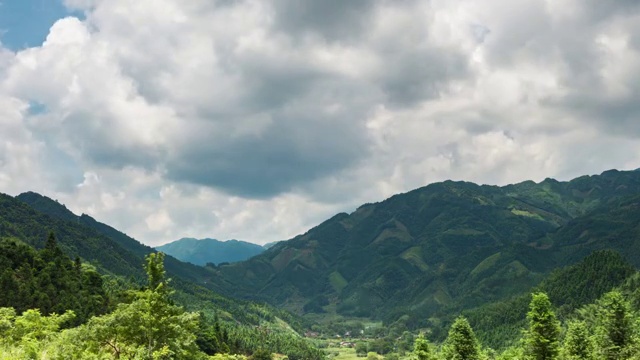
x: 577, y: 343
x: 422, y: 349
x: 461, y: 343
x: 614, y: 331
x: 541, y: 340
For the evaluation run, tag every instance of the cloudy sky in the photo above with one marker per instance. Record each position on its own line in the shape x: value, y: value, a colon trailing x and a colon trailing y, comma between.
x: 257, y: 119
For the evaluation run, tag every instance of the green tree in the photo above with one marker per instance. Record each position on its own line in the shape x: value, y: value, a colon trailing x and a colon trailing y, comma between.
x: 392, y: 356
x: 541, y: 339
x: 421, y: 349
x: 461, y: 343
x: 150, y: 327
x: 577, y: 343
x: 614, y: 331
x: 28, y: 334
x: 262, y: 354
x: 154, y: 266
x: 361, y: 349
x: 372, y: 356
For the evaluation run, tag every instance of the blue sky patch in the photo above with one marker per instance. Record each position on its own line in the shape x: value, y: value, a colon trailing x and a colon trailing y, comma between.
x: 26, y: 23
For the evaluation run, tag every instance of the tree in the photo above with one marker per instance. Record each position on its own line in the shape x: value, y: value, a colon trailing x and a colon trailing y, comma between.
x: 361, y: 349
x: 422, y: 349
x: 262, y: 354
x: 154, y: 266
x: 150, y: 327
x: 541, y: 340
x: 577, y: 343
x: 614, y: 329
x: 372, y: 356
x: 461, y: 343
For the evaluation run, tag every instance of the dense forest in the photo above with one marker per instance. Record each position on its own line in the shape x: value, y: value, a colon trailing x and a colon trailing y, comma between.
x: 56, y: 308
x: 605, y: 329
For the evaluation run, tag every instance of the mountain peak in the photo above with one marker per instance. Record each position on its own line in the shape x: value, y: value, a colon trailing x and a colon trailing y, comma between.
x: 47, y: 205
x: 203, y: 251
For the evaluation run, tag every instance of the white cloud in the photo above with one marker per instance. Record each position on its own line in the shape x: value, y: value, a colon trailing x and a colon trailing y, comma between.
x: 252, y: 120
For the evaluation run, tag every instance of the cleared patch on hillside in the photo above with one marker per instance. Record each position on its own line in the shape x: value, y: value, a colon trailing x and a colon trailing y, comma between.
x: 414, y: 257
x: 394, y: 230
x: 337, y: 281
x: 486, y: 264
x: 525, y: 213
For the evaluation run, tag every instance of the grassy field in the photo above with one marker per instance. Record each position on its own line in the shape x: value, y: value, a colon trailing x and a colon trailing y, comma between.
x: 338, y: 353
x: 343, y: 353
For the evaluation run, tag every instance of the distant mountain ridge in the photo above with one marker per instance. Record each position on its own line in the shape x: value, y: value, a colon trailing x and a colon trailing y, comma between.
x: 203, y: 251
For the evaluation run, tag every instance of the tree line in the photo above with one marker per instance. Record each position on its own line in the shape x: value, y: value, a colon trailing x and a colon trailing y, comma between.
x: 62, y: 311
x: 607, y: 329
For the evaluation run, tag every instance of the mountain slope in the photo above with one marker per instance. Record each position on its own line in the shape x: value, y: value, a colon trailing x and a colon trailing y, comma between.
x: 113, y: 252
x: 203, y: 251
x: 19, y: 220
x: 113, y: 240
x: 444, y: 247
x: 569, y: 288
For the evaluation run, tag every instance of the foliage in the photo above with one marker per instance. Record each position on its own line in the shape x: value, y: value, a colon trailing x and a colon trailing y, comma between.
x: 461, y: 344
x: 261, y: 354
x: 49, y: 281
x: 422, y: 349
x: 578, y: 345
x: 569, y: 288
x: 614, y: 335
x: 541, y: 341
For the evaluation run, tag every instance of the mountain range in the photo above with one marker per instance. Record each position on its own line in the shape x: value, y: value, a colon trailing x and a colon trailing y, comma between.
x: 412, y: 261
x: 203, y: 251
x: 444, y: 248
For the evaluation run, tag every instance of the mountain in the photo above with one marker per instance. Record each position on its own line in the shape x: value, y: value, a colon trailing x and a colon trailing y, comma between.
x: 569, y: 288
x: 203, y: 251
x: 271, y: 244
x: 443, y: 248
x: 29, y: 217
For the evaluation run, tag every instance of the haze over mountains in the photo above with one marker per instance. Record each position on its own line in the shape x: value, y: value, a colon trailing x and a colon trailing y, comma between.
x: 412, y: 260
x: 203, y: 251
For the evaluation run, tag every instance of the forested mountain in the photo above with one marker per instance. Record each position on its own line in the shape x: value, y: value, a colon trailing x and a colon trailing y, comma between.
x: 49, y: 280
x: 38, y: 277
x: 445, y: 247
x: 30, y: 217
x: 203, y: 251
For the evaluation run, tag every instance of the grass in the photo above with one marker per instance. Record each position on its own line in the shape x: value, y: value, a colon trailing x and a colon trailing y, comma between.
x: 343, y: 353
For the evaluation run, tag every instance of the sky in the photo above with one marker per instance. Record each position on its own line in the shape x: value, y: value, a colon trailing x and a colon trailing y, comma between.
x: 259, y: 119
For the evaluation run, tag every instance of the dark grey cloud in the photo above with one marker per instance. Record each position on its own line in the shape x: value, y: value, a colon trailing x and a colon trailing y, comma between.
x: 334, y: 20
x: 303, y: 142
x: 599, y: 10
x: 415, y: 75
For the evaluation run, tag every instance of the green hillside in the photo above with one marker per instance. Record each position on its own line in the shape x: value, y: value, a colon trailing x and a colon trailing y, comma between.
x: 442, y: 248
x: 30, y: 217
